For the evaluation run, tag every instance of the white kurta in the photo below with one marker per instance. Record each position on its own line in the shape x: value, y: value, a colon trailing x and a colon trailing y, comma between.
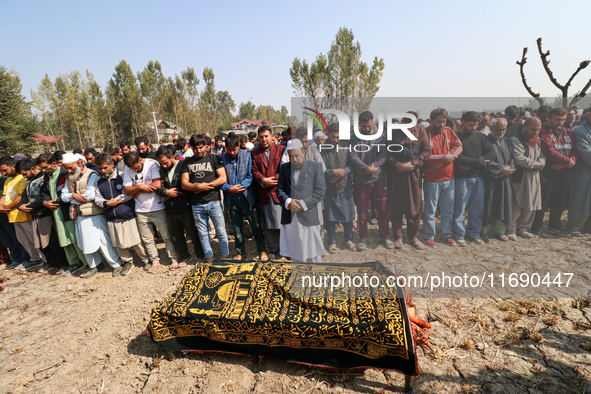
x: 92, y: 232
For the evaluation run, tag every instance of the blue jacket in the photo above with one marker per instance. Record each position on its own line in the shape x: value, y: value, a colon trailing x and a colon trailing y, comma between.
x: 244, y: 171
x: 110, y: 188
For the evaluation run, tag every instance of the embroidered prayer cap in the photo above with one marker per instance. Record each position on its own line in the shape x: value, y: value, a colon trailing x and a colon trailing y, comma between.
x: 69, y: 158
x: 294, y: 144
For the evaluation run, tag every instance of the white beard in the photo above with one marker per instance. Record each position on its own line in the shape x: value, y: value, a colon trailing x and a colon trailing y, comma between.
x: 74, y: 177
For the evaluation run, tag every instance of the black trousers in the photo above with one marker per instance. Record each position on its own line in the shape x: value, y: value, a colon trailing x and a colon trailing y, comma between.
x: 554, y: 198
x: 179, y: 224
x: 53, y: 252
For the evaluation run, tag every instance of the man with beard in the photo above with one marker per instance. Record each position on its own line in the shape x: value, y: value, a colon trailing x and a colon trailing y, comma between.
x: 92, y: 232
x: 580, y: 184
x: 301, y: 186
x: 142, y: 144
x: 266, y: 160
x: 560, y: 148
x: 177, y: 201
x: 119, y: 212
x: 405, y: 182
x: 526, y: 181
x: 484, y: 124
x: 497, y: 185
x: 89, y: 155
x: 125, y: 148
x: 339, y: 204
x: 240, y: 197
x: 469, y: 194
x: 11, y: 191
x: 203, y: 175
x: 45, y: 237
x: 370, y: 181
x: 65, y: 227
x: 141, y: 179
x: 571, y: 117
x: 439, y: 187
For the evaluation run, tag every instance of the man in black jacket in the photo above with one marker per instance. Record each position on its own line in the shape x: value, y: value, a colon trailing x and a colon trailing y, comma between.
x: 44, y: 233
x: 177, y: 201
x: 469, y: 183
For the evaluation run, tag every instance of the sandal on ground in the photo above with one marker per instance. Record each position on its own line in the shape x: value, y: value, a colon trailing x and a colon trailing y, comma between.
x: 503, y: 237
x: 264, y: 257
x: 417, y: 244
x: 351, y: 246
x: 332, y: 249
x: 398, y: 244
x: 237, y: 257
x: 388, y: 244
x: 361, y: 246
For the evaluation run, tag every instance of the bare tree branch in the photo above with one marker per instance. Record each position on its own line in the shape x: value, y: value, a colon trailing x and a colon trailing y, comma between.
x: 581, y: 94
x: 546, y: 62
x: 529, y: 89
x: 582, y: 66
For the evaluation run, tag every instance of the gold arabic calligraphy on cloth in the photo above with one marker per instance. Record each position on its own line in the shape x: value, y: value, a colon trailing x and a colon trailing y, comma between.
x: 250, y: 303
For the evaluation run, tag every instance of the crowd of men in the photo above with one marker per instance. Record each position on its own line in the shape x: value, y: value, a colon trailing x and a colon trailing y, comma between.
x: 484, y: 176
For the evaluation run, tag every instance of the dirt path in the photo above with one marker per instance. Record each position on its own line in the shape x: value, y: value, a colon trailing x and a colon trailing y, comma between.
x: 69, y: 335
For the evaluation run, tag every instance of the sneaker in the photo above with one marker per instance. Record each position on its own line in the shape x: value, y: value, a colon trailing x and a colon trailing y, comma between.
x: 13, y: 265
x: 476, y: 240
x: 117, y: 271
x: 430, y: 243
x: 74, y: 269
x: 126, y: 269
x: 450, y: 241
x: 524, y: 234
x: 61, y: 270
x: 35, y: 266
x: 90, y: 273
x: 20, y: 267
x: 560, y: 232
x: 462, y: 242
x: 575, y: 233
x: 512, y: 237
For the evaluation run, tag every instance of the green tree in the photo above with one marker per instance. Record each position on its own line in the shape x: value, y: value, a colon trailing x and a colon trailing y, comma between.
x: 339, y: 79
x: 17, y: 123
x: 125, y: 99
x: 247, y: 111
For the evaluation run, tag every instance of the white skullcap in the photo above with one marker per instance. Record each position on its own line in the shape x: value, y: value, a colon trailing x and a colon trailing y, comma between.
x: 69, y: 158
x: 249, y: 146
x: 294, y: 144
x: 80, y: 157
x: 319, y: 134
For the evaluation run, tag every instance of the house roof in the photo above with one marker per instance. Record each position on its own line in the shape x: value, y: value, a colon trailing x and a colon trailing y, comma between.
x: 45, y: 139
x: 252, y: 123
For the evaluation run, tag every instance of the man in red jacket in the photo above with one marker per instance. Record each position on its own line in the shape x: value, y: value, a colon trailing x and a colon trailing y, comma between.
x: 439, y: 187
x: 560, y: 148
x: 266, y: 160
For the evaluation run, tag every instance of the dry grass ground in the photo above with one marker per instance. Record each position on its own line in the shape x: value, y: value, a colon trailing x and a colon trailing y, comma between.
x: 69, y: 335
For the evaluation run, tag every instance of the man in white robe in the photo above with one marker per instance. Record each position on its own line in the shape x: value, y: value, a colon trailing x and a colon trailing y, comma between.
x: 92, y: 232
x: 300, y: 188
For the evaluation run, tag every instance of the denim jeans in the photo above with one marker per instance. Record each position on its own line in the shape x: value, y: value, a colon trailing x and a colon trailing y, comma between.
x: 469, y: 197
x: 213, y: 210
x: 441, y: 192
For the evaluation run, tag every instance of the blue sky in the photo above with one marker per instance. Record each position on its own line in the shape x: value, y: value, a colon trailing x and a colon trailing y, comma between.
x: 435, y: 49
